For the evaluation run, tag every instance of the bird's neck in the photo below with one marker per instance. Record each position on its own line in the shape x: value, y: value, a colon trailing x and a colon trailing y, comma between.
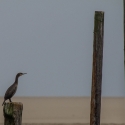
x: 16, y: 80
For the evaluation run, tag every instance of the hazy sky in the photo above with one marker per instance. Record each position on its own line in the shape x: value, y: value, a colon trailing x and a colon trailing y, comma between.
x: 52, y: 41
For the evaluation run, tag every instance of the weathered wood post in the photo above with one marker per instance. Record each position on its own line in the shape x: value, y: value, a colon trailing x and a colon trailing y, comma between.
x: 13, y: 113
x: 97, y: 68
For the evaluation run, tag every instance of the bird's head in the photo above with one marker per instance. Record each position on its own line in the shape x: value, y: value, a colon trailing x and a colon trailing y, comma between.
x: 20, y: 74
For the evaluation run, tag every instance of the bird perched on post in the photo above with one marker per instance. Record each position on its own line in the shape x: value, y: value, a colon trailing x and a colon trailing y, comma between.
x: 12, y: 89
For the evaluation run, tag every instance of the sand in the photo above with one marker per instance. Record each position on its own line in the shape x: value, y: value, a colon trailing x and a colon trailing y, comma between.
x: 67, y: 110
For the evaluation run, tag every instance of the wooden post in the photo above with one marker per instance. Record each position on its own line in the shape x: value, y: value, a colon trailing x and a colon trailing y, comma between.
x: 13, y: 113
x: 97, y: 68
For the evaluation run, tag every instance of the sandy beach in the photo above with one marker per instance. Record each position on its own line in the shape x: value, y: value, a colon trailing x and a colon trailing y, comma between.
x: 67, y: 110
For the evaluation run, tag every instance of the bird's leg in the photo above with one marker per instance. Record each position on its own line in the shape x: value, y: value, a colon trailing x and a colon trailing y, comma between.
x: 3, y: 102
x: 10, y: 100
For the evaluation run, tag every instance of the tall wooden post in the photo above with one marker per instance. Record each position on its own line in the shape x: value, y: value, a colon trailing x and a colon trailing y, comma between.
x: 97, y: 68
x: 13, y: 113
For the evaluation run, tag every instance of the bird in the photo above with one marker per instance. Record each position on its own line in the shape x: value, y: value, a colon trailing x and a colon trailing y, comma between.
x: 12, y: 89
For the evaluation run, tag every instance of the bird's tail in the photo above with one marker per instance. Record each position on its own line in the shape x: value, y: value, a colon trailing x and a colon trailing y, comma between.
x: 3, y: 102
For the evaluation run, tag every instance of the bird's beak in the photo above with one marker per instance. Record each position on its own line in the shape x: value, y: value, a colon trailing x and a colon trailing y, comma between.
x: 24, y: 73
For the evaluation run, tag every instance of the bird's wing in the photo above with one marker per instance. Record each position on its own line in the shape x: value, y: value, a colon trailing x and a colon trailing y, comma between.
x: 10, y: 91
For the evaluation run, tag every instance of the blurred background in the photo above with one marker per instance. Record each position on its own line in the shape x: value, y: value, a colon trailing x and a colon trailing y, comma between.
x: 52, y: 41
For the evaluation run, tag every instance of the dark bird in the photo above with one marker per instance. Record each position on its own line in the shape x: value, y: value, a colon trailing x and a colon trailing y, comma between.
x: 12, y: 89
